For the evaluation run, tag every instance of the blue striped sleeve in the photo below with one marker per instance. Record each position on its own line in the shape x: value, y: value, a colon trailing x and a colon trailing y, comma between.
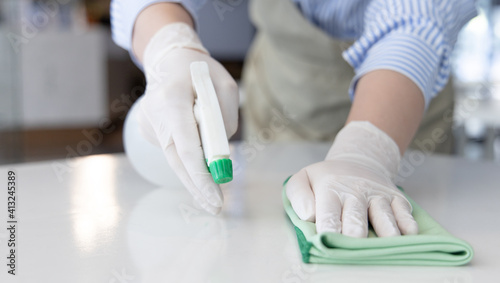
x: 125, y: 12
x: 414, y: 38
x: 339, y: 18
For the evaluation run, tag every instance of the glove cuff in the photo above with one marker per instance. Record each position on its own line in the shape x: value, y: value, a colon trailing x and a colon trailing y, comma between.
x: 169, y: 37
x: 364, y: 143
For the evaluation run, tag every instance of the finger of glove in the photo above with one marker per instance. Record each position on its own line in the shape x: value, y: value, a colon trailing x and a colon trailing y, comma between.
x: 382, y: 218
x: 191, y: 154
x: 184, y: 133
x: 228, y: 97
x: 301, y: 196
x: 402, y: 212
x: 328, y: 210
x: 145, y: 126
x: 355, y: 217
x: 179, y: 169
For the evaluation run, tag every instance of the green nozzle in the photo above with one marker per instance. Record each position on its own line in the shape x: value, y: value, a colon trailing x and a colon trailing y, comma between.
x: 221, y: 170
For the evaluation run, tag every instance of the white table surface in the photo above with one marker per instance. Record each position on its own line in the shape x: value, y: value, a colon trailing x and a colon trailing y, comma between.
x: 101, y: 222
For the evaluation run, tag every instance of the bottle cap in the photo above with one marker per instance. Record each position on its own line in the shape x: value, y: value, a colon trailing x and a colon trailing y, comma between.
x: 221, y: 170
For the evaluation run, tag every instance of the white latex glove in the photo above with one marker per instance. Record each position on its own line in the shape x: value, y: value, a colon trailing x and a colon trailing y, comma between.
x: 166, y: 112
x: 352, y: 185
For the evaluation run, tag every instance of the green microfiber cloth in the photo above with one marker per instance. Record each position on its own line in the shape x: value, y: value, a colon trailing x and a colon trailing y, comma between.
x: 432, y: 246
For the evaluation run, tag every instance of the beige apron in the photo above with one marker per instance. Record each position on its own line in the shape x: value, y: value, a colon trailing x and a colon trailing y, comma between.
x: 296, y: 82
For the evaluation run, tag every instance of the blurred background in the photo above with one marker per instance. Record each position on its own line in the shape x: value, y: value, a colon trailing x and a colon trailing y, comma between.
x: 65, y: 87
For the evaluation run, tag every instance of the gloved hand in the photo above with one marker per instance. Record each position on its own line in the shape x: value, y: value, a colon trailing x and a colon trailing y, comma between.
x: 352, y: 185
x: 166, y: 112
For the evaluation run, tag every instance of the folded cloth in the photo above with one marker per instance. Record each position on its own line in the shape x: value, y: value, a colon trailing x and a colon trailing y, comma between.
x: 432, y: 246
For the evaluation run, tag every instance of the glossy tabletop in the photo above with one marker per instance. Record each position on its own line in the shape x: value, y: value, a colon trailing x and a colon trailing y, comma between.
x: 94, y: 219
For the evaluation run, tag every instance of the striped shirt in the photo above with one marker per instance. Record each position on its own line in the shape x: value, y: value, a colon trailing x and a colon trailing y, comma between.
x: 412, y: 37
